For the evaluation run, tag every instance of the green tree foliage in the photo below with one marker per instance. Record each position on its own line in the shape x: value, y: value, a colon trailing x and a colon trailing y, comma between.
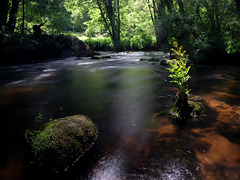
x: 209, y: 29
x: 138, y: 31
x: 201, y: 26
x: 8, y: 14
x: 21, y: 15
x: 80, y: 14
x: 38, y: 11
x: 158, y: 10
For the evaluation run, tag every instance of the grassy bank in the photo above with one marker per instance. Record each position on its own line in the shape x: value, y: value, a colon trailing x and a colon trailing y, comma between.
x: 135, y: 43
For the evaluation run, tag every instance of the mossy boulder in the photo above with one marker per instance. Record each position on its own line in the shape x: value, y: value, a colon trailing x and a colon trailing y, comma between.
x: 61, y: 142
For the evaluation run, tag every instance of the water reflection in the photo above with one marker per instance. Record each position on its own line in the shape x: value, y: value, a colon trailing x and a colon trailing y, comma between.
x: 218, y: 154
x: 226, y: 112
x: 219, y: 158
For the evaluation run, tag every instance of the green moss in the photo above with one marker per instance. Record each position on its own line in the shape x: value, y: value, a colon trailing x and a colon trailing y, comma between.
x: 196, y: 108
x: 62, y: 142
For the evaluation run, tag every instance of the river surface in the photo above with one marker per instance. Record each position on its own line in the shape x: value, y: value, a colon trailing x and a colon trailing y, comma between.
x: 127, y: 99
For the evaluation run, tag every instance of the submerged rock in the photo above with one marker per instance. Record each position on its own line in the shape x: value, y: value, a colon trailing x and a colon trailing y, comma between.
x: 196, y: 104
x: 62, y: 141
x: 101, y: 57
x: 150, y: 60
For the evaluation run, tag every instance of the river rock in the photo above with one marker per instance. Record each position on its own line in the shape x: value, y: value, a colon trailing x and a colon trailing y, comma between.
x: 62, y: 141
x: 101, y: 57
x: 197, y: 107
x: 150, y: 60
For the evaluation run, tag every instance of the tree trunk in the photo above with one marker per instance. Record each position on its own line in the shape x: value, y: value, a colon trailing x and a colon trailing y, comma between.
x: 4, y: 7
x: 13, y: 16
x: 104, y: 18
x: 110, y: 12
x: 181, y: 106
x: 210, y: 14
x: 156, y: 10
x: 160, y: 36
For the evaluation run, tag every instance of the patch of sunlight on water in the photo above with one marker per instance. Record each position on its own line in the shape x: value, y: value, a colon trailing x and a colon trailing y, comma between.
x: 164, y: 126
x: 109, y: 167
x: 219, y: 159
x: 172, y: 171
x: 226, y: 112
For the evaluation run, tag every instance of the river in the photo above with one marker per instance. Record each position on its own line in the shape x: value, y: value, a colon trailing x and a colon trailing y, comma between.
x: 127, y: 100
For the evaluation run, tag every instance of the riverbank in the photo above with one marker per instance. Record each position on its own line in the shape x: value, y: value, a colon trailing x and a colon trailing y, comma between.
x: 24, y: 49
x: 20, y: 49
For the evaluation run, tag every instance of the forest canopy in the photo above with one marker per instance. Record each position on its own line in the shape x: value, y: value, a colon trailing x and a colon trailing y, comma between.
x: 209, y: 29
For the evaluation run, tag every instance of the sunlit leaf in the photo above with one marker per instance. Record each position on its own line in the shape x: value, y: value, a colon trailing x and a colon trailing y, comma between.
x: 175, y: 44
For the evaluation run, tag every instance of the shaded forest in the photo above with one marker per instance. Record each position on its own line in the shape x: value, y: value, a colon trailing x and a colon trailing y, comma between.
x: 208, y: 29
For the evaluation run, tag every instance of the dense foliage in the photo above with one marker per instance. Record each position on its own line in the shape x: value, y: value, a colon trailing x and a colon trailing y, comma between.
x: 209, y: 29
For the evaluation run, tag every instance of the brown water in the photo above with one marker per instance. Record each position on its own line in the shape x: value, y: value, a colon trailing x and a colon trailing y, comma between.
x: 127, y: 100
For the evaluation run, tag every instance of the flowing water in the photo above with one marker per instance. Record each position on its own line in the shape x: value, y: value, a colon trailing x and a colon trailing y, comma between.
x: 127, y: 100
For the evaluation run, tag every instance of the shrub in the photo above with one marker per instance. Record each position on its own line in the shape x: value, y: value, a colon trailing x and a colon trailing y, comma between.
x: 100, y: 44
x: 180, y: 75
